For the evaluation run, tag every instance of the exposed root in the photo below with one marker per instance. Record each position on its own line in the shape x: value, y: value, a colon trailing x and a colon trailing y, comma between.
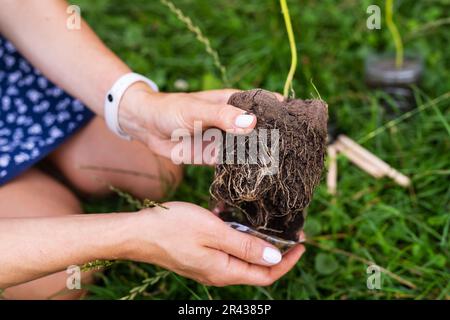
x: 275, y: 203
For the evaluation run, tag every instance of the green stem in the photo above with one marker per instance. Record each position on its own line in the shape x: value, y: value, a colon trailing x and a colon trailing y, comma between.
x: 395, y: 34
x: 290, y: 32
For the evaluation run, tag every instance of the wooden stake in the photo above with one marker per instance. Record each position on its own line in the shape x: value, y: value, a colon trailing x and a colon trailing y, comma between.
x: 359, y: 161
x: 382, y: 167
x: 332, y: 170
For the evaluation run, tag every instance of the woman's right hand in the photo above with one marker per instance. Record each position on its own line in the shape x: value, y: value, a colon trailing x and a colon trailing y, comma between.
x: 194, y: 243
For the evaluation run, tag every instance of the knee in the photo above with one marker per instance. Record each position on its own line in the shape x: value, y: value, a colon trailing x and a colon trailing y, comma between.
x: 160, y: 185
x: 51, y: 287
x: 142, y: 183
x: 176, y: 174
x: 35, y: 193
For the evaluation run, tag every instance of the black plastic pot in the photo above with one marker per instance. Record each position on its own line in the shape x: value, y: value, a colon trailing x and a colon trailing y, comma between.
x: 382, y: 73
x: 333, y: 130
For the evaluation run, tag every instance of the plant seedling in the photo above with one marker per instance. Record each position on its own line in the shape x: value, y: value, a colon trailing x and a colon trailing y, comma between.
x: 394, y: 74
x: 273, y: 206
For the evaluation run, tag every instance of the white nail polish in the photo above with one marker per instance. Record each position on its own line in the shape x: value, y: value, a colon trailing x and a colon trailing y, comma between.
x: 243, y: 121
x: 302, y: 238
x: 271, y: 255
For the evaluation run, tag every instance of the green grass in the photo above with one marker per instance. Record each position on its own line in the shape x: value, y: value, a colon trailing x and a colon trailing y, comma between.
x: 403, y: 231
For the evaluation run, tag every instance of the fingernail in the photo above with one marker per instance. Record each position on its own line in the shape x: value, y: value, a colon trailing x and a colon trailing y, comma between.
x: 271, y: 255
x: 244, y: 120
x: 302, y: 238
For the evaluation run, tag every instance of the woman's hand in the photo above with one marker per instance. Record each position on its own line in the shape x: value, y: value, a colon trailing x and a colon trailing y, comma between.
x: 192, y: 242
x: 152, y: 117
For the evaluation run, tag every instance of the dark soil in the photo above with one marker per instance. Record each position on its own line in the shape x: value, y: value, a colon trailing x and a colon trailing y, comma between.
x: 275, y: 204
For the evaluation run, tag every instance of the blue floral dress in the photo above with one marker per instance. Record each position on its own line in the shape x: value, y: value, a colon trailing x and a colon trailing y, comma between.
x: 35, y: 115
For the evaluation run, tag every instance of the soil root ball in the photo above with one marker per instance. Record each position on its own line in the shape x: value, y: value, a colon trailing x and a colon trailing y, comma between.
x: 274, y: 203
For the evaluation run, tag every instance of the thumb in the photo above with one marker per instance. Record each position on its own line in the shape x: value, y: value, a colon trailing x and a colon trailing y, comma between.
x: 222, y: 116
x: 247, y: 247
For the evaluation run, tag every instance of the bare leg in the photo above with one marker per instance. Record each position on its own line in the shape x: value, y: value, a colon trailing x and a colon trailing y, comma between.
x: 36, y: 194
x: 95, y: 157
x: 86, y: 160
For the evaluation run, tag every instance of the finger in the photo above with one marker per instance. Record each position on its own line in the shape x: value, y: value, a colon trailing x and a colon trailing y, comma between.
x: 241, y: 272
x: 289, y: 261
x: 222, y: 116
x: 222, y: 96
x: 301, y: 237
x: 246, y: 247
x: 216, y: 96
x: 279, y: 96
x: 219, y: 207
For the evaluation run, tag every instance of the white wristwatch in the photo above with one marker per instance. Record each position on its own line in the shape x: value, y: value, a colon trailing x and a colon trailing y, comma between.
x: 113, y: 97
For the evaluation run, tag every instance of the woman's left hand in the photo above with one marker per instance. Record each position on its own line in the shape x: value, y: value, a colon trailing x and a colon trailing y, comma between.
x: 152, y: 117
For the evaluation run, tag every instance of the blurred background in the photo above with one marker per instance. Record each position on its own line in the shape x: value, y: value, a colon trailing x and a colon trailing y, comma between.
x: 404, y: 231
